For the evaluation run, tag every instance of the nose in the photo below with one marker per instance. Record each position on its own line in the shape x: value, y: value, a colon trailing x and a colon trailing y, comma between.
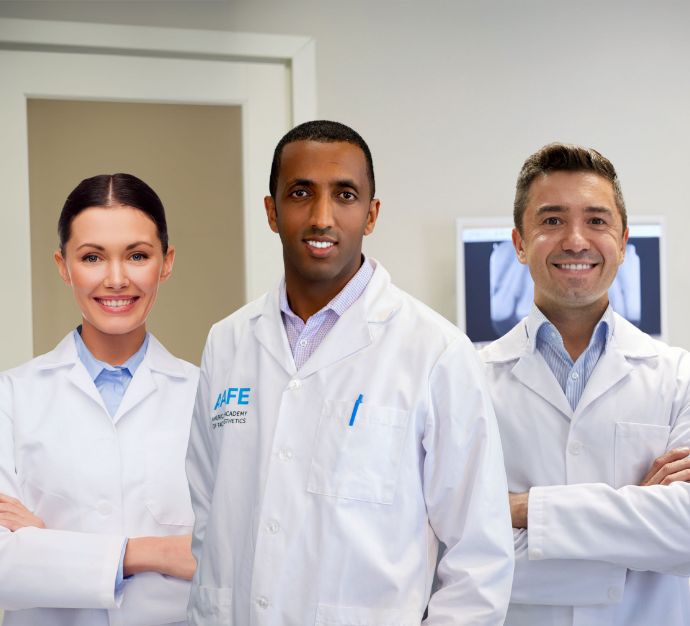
x: 575, y: 239
x: 116, y: 276
x: 322, y: 212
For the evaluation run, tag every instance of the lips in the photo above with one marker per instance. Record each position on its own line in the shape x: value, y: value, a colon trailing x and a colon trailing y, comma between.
x: 121, y: 304
x: 319, y: 247
x: 576, y: 267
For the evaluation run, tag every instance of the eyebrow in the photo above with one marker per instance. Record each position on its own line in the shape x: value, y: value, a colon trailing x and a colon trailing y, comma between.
x: 557, y: 208
x: 338, y: 184
x: 136, y: 244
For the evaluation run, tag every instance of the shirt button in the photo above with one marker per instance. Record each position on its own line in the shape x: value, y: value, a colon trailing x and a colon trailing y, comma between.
x: 574, y: 376
x: 262, y: 602
x: 294, y: 384
x: 303, y: 342
x: 104, y: 508
x: 614, y: 593
x: 285, y: 454
x: 575, y: 447
x: 272, y: 526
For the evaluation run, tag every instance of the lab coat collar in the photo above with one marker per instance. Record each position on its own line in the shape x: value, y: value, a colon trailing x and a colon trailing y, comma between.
x: 142, y: 385
x: 351, y: 333
x: 626, y: 342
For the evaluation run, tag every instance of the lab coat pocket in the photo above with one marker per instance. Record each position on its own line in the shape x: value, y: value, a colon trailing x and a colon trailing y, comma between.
x: 362, y: 461
x: 210, y: 606
x: 167, y: 490
x: 360, y: 616
x: 636, y: 448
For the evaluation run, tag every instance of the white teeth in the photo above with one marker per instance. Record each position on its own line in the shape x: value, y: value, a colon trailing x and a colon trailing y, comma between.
x: 576, y: 266
x: 320, y: 244
x: 116, y: 303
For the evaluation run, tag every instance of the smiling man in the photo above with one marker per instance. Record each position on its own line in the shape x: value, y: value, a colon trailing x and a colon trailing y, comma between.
x: 594, y: 417
x: 365, y: 435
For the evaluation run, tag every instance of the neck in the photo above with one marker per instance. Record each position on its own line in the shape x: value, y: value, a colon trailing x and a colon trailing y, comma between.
x: 575, y: 326
x: 112, y: 349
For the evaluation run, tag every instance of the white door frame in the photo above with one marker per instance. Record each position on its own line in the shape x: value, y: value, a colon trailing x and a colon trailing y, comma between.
x: 262, y: 254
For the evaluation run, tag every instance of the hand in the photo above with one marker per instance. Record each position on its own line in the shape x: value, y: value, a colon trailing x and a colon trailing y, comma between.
x: 672, y: 466
x: 14, y: 515
x: 518, y: 509
x: 170, y: 555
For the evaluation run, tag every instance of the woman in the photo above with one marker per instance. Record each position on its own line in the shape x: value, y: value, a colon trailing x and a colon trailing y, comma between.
x: 95, y: 518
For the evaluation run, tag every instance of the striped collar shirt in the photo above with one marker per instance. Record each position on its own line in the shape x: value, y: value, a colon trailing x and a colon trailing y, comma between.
x: 305, y: 337
x: 571, y: 376
x: 110, y: 380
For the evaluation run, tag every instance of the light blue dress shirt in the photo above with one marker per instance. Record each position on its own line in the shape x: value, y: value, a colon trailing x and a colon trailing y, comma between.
x: 571, y: 376
x: 112, y: 382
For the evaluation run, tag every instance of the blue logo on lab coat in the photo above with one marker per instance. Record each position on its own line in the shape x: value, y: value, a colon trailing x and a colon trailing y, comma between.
x: 233, y: 395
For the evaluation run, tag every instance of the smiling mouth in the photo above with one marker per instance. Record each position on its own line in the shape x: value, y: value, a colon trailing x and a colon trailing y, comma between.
x: 577, y: 267
x: 320, y: 244
x: 116, y: 303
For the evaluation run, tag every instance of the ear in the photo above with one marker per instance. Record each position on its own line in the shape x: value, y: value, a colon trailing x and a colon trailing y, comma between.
x: 271, y: 213
x: 167, y: 264
x: 626, y: 233
x: 62, y: 267
x: 519, y: 246
x: 372, y: 215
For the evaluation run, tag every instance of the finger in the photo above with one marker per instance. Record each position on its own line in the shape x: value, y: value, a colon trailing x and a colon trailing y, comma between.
x: 669, y: 468
x: 669, y: 456
x: 6, y: 498
x: 682, y: 476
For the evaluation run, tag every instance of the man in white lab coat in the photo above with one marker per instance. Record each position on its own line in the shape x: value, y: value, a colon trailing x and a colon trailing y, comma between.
x: 594, y: 417
x: 341, y: 430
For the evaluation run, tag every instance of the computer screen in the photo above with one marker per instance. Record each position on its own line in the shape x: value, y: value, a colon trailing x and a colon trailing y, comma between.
x: 495, y: 290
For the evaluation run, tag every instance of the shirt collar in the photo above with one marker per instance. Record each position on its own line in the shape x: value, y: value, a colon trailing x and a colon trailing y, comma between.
x: 94, y: 366
x: 538, y: 327
x: 343, y: 300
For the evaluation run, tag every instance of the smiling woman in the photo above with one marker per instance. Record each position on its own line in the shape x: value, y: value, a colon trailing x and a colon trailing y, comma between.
x: 94, y: 501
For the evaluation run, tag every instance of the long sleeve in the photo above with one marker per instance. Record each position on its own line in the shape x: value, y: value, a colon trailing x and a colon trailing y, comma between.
x: 466, y: 494
x: 50, y: 568
x: 559, y: 582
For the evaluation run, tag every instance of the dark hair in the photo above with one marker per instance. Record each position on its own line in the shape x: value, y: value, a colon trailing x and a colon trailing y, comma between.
x: 107, y: 190
x: 562, y: 157
x: 323, y: 131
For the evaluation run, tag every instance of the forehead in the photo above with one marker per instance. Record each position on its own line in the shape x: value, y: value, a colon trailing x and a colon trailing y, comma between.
x: 571, y: 190
x: 322, y: 162
x: 111, y: 225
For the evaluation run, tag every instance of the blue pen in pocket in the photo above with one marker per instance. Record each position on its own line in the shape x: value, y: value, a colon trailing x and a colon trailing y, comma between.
x: 355, y: 408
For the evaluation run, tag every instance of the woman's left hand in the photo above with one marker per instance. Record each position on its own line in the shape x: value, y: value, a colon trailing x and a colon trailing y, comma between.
x: 14, y: 515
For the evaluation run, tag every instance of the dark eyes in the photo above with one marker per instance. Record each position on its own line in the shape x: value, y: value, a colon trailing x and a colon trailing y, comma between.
x: 348, y: 196
x: 552, y: 221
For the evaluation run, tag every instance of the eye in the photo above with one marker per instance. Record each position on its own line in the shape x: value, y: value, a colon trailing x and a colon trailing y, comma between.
x: 348, y: 195
x: 597, y: 221
x: 90, y: 258
x: 299, y: 193
x: 139, y: 256
x: 552, y: 221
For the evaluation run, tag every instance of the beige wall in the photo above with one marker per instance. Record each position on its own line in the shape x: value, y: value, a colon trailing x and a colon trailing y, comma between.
x: 191, y: 155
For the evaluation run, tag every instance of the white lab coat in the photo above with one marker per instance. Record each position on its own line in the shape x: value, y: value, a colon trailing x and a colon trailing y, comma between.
x: 599, y: 550
x: 94, y: 480
x: 302, y: 519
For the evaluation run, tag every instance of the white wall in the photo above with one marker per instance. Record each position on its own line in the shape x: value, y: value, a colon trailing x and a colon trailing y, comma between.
x: 453, y: 95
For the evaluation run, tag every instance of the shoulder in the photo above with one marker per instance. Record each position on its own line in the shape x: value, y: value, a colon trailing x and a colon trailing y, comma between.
x: 63, y: 354
x: 238, y: 321
x: 160, y: 359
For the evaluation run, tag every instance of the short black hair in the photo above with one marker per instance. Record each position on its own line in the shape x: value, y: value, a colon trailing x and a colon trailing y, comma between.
x: 564, y: 157
x: 324, y: 131
x: 107, y: 190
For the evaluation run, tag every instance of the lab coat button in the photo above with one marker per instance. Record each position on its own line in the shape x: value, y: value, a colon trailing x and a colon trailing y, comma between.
x: 272, y: 526
x: 104, y: 508
x: 614, y: 593
x: 285, y: 454
x: 262, y: 602
x: 536, y: 553
x: 575, y: 447
x: 294, y: 384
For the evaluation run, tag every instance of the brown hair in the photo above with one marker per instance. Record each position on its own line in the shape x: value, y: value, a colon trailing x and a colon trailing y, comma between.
x: 562, y: 157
